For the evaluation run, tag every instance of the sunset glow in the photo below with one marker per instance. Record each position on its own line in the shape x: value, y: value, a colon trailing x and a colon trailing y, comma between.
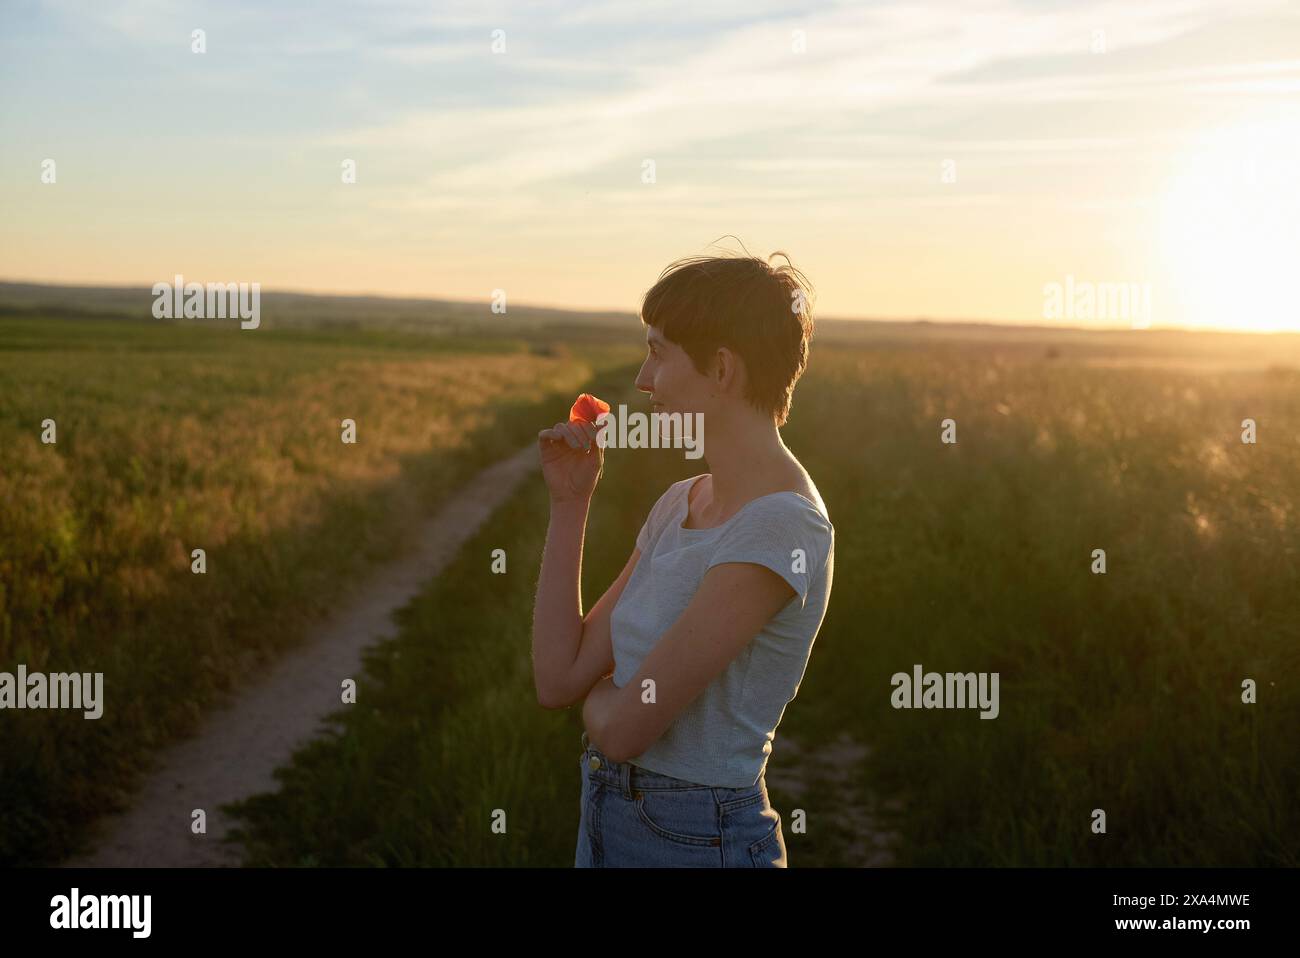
x: 917, y: 159
x: 1231, y: 229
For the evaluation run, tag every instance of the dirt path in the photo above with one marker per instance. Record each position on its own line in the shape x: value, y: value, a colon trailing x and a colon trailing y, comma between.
x: 241, y: 744
x: 823, y: 779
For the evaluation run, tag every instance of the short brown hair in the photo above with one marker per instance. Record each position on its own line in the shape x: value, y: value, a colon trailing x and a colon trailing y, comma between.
x: 761, y: 312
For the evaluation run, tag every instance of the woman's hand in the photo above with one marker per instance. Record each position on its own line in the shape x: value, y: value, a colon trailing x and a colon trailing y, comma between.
x: 597, y: 710
x: 572, y: 461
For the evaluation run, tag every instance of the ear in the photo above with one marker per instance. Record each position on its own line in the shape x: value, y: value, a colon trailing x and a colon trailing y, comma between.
x: 727, y: 368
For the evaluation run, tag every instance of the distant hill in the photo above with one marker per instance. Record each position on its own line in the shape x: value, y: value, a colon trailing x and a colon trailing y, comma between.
x: 286, y: 309
x: 1116, y: 347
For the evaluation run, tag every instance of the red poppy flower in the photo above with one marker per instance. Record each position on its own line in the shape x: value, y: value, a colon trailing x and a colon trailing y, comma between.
x: 586, y: 408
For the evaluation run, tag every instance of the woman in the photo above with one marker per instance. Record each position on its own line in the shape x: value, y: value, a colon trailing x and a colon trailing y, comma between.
x: 686, y: 664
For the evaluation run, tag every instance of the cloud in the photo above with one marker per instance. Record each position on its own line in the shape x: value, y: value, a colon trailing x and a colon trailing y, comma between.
x: 745, y: 81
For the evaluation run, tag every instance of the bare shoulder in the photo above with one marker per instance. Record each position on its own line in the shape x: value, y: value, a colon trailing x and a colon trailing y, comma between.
x: 798, y: 481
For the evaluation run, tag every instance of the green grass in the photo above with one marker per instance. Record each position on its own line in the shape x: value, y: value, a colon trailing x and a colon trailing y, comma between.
x: 1119, y: 692
x: 173, y: 438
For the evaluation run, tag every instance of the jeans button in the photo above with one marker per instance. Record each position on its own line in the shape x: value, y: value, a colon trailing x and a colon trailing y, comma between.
x: 593, y: 763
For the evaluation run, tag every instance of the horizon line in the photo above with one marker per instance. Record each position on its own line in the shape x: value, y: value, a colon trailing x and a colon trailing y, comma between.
x: 897, y: 321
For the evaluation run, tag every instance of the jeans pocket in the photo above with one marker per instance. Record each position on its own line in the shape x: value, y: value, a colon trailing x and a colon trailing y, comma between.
x: 769, y: 851
x: 687, y: 816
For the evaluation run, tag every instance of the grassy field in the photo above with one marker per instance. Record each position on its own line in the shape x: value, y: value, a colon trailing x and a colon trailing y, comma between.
x: 1119, y: 691
x: 172, y: 438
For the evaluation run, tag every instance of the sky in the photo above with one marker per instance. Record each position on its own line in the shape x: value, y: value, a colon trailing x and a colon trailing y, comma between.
x: 1112, y: 164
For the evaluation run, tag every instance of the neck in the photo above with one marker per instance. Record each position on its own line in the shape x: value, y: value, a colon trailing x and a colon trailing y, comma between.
x: 742, y: 454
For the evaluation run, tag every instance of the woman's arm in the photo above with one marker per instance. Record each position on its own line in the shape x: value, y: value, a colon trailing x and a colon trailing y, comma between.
x: 734, y: 601
x: 571, y: 466
x: 571, y: 652
x: 557, y: 608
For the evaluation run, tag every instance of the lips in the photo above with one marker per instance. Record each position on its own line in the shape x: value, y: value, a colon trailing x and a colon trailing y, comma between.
x: 586, y: 408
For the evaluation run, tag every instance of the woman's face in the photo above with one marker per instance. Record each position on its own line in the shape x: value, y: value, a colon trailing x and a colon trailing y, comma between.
x: 670, y: 378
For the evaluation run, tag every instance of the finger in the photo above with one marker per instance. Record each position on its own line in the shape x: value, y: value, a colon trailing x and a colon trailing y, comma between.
x: 571, y: 435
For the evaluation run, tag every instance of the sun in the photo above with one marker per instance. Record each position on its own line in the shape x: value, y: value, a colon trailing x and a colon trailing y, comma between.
x: 1230, y: 231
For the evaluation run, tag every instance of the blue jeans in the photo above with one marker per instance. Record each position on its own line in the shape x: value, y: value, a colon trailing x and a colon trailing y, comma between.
x: 635, y: 818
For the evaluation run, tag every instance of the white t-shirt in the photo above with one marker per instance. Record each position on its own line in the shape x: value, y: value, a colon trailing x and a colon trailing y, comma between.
x: 724, y: 737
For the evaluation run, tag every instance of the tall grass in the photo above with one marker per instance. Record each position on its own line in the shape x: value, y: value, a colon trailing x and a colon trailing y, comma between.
x: 173, y: 439
x: 1119, y: 691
